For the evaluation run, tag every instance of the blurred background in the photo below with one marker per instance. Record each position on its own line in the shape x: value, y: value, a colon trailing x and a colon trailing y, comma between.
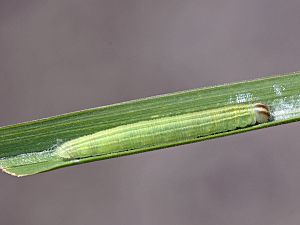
x: 61, y: 56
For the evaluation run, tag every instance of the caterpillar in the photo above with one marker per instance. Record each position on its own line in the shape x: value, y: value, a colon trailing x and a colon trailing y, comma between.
x: 165, y: 131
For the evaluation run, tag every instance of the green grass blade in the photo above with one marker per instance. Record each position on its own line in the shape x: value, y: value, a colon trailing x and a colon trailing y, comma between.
x: 29, y: 148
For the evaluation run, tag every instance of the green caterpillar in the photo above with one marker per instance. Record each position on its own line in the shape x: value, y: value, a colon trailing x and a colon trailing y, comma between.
x: 167, y: 131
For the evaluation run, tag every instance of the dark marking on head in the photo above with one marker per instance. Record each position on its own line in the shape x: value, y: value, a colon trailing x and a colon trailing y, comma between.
x: 262, y: 113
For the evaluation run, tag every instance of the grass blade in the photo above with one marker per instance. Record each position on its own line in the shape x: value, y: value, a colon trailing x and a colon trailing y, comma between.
x: 29, y: 148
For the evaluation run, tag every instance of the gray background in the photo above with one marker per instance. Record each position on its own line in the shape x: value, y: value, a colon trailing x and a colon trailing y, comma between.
x: 61, y: 56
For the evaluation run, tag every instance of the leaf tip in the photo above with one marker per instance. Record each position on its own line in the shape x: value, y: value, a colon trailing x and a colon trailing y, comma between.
x: 6, y: 170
